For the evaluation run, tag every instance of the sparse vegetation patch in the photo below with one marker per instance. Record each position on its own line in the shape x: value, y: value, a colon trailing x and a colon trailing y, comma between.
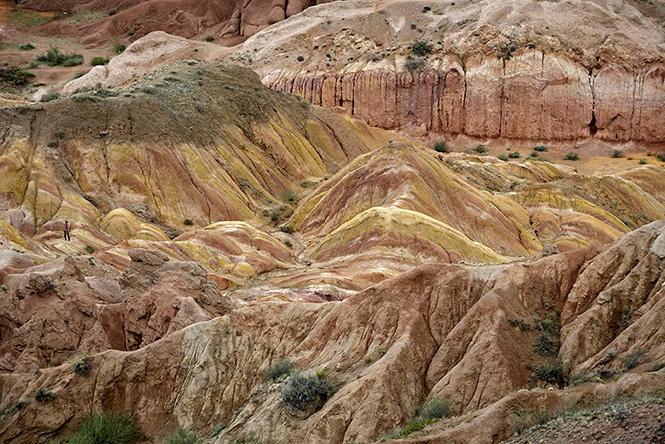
x: 303, y: 392
x: 105, y: 428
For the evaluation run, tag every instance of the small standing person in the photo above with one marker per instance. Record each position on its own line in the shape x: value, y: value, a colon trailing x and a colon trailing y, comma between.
x: 67, y: 238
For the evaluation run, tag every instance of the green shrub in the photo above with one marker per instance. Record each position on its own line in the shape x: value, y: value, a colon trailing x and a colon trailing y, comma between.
x: 14, y: 408
x: 300, y: 58
x: 441, y: 146
x: 98, y: 60
x: 188, y: 222
x: 44, y: 395
x: 105, y: 428
x: 305, y: 391
x: 182, y: 437
x: 514, y: 155
x: 661, y: 157
x: 435, y: 407
x: 209, y: 38
x: 481, y: 149
x: 113, y: 11
x: 550, y: 324
x: 502, y: 157
x: 521, y: 323
x: 617, y: 153
x: 286, y: 229
x: 89, y: 249
x: 118, y: 47
x: 53, y: 57
x: 81, y: 367
x: 73, y: 60
x: 26, y: 47
x: 414, y: 64
x: 540, y: 148
x: 572, y: 156
x: 643, y: 161
x: 551, y: 373
x: 421, y: 48
x: 281, y: 368
x: 15, y: 76
x: 633, y: 359
x: 544, y: 345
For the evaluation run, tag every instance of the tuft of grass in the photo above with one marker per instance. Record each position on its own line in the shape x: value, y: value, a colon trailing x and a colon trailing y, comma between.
x: 617, y: 153
x: 279, y: 370
x: 435, y: 407
x: 290, y: 196
x: 188, y: 222
x: 502, y: 157
x: 572, y: 156
x: 44, y: 395
x: 286, y: 229
x: 633, y: 359
x: 181, y: 436
x: 50, y: 96
x: 540, y: 148
x: 26, y: 18
x: 578, y: 377
x: 303, y: 392
x: 218, y: 428
x: 514, y: 155
x: 480, y: 149
x: 105, y: 428
x: 26, y: 47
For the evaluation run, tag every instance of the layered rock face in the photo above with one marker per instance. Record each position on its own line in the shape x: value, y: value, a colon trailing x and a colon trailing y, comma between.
x: 192, y: 145
x: 479, y: 70
x: 76, y: 306
x: 455, y: 336
x: 534, y: 96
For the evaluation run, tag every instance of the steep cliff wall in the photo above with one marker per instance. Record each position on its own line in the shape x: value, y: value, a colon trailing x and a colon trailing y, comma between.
x: 526, y: 70
x: 535, y: 96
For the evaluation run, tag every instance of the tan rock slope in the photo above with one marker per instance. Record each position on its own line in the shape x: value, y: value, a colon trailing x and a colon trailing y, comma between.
x: 439, y: 329
x: 516, y: 70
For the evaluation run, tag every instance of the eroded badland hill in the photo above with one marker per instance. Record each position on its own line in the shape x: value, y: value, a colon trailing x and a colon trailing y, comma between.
x: 248, y: 265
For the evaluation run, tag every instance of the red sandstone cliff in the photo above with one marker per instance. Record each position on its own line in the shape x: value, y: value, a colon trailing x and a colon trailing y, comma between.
x: 525, y: 71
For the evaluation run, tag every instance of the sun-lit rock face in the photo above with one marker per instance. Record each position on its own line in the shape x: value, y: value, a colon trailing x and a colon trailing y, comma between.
x: 189, y: 146
x: 451, y: 207
x: 520, y: 70
x: 445, y: 329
